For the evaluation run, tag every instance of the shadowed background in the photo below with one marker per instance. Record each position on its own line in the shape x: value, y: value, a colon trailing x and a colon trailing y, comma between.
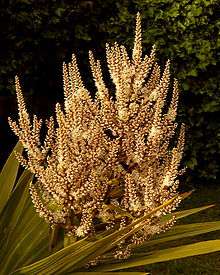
x: 36, y: 36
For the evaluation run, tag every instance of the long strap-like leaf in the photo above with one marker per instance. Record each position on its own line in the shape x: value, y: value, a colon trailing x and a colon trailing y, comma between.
x: 8, y: 176
x: 24, y: 232
x: 69, y: 257
x: 182, y: 231
x: 184, y: 213
x: 165, y: 255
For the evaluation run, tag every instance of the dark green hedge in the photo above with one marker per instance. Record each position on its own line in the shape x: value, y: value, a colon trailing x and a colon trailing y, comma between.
x: 36, y: 36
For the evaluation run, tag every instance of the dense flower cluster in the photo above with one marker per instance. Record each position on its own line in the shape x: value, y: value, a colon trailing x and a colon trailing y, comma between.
x: 106, y: 161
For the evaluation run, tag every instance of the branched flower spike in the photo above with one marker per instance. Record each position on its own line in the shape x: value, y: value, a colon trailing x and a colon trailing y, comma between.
x: 105, y: 162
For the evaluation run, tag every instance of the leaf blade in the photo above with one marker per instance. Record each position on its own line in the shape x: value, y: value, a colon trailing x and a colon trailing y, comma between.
x: 168, y: 254
x: 73, y: 257
x: 183, y: 231
x: 8, y: 176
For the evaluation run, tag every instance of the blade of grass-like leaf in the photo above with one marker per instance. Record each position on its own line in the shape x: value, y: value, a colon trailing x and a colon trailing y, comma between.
x: 26, y: 238
x: 69, y: 257
x: 8, y: 176
x: 24, y: 247
x: 44, y: 263
x: 186, y: 194
x: 168, y: 254
x: 124, y: 233
x: 182, y: 231
x: 36, y: 249
x: 11, y: 216
x: 188, y: 212
x: 17, y: 201
x: 110, y: 273
x: 24, y: 229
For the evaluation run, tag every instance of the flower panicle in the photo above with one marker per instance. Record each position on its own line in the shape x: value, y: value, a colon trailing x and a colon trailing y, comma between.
x: 106, y: 160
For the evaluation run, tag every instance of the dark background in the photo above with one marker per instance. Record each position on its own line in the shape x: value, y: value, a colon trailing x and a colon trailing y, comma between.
x: 36, y: 36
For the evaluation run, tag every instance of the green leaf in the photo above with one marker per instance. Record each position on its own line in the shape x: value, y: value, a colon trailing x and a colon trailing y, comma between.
x: 80, y: 253
x: 23, y: 233
x: 166, y: 255
x: 182, y: 231
x: 192, y: 211
x: 8, y: 176
x: 17, y: 204
x: 109, y: 273
x: 26, y: 249
x: 184, y: 213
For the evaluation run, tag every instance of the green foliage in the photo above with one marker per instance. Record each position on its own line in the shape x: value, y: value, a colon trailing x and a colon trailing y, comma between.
x: 25, y: 237
x: 165, y: 255
x: 76, y: 255
x: 37, y: 36
x: 188, y: 34
x: 8, y: 176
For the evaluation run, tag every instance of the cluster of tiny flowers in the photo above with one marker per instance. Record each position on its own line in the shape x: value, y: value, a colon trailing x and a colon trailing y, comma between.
x: 106, y: 161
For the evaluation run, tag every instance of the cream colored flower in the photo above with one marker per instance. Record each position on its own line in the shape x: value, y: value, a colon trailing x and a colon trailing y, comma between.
x: 104, y: 150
